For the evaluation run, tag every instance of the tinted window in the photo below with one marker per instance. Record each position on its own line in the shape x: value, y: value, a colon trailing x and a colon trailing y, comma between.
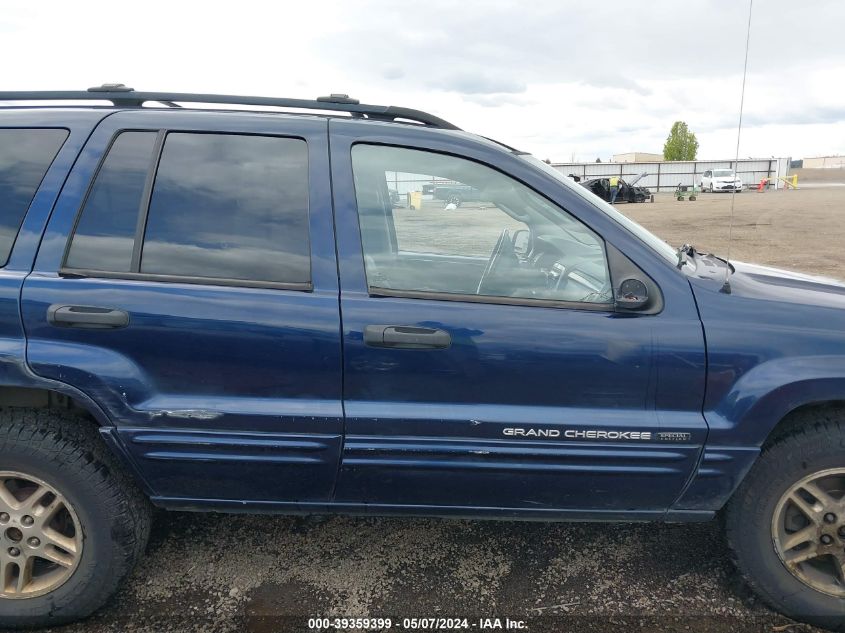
x: 436, y: 223
x: 106, y: 231
x: 230, y: 206
x: 25, y: 156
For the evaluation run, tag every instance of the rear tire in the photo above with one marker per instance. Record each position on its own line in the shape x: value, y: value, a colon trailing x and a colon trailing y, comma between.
x: 111, y: 516
x: 759, y: 510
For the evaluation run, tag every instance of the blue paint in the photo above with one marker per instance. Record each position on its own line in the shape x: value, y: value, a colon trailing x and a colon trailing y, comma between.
x: 267, y: 399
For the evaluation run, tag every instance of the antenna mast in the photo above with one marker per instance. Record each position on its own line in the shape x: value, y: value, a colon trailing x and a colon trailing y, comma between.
x: 726, y: 288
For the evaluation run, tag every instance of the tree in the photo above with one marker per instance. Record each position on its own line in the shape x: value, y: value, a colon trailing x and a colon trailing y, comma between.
x: 681, y: 144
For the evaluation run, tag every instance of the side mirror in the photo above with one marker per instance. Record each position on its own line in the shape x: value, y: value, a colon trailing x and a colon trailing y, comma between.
x: 521, y: 241
x: 632, y: 294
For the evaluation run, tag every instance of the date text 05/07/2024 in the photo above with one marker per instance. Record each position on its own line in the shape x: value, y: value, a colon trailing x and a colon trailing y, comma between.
x: 416, y: 624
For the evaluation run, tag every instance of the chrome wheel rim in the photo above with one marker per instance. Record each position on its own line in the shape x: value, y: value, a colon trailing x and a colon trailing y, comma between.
x: 40, y: 537
x: 808, y: 530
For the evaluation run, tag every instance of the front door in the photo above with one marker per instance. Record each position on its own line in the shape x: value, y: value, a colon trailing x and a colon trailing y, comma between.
x: 187, y: 283
x: 485, y: 366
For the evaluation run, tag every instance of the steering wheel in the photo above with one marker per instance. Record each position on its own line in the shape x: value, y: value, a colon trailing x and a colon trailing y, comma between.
x: 565, y: 278
x: 502, y: 252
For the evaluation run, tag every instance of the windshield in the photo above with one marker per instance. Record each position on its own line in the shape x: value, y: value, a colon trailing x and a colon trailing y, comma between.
x: 667, y: 251
x: 723, y: 173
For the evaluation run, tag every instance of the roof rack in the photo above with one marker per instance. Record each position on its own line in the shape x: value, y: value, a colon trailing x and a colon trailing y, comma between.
x: 123, y: 96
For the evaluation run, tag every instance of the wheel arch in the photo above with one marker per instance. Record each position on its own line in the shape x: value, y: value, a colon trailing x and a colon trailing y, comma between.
x: 65, y: 399
x: 769, y: 393
x: 760, y: 409
x: 53, y: 395
x: 806, y: 414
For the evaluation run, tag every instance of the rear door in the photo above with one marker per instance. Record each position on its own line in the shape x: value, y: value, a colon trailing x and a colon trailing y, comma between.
x: 486, y: 368
x: 187, y: 283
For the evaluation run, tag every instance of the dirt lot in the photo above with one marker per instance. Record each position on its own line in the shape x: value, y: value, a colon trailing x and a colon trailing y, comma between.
x: 815, y: 177
x: 251, y: 573
x: 801, y: 230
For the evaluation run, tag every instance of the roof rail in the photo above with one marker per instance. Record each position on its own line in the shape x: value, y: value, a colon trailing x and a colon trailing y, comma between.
x: 123, y: 96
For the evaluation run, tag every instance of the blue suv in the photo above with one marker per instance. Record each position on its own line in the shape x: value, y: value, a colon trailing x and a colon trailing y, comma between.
x: 223, y: 309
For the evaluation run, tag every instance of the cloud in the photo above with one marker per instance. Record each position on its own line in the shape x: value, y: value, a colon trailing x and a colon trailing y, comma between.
x: 612, y: 43
x: 475, y: 83
x: 616, y: 81
x: 393, y: 72
x: 545, y: 76
x: 805, y: 116
x: 498, y: 100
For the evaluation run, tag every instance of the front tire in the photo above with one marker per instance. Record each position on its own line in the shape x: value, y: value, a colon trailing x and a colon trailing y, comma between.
x: 72, y: 524
x: 786, y: 522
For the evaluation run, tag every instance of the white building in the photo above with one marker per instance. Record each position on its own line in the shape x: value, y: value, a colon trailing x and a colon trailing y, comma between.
x: 637, y: 157
x: 821, y: 162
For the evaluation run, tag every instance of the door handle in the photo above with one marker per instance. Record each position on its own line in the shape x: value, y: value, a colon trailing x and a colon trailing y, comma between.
x: 87, y: 317
x: 406, y: 337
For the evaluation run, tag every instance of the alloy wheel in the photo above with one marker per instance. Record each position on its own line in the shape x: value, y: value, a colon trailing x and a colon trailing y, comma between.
x: 40, y: 537
x: 808, y: 530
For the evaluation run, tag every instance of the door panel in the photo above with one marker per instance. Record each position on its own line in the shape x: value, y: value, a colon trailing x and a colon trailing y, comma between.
x: 218, y: 391
x: 429, y: 426
x: 532, y: 407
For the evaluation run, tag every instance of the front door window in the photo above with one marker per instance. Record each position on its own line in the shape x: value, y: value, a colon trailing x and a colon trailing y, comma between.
x: 433, y: 223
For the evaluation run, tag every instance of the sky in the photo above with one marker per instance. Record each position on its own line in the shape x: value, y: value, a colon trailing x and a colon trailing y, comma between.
x: 562, y: 80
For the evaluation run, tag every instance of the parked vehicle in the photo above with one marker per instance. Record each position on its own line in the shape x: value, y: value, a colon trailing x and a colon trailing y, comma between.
x: 455, y: 194
x: 714, y: 180
x: 628, y: 191
x: 170, y: 319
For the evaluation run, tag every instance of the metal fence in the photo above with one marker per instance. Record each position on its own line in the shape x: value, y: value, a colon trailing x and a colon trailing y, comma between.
x: 403, y: 183
x: 665, y: 176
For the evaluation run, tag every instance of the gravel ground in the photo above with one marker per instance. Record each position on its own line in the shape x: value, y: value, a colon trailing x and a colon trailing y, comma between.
x: 252, y: 573
x: 262, y: 574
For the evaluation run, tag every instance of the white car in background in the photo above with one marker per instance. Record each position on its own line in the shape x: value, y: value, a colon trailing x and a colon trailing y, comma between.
x: 720, y: 180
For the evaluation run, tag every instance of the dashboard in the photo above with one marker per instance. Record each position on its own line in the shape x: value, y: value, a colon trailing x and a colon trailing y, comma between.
x: 570, y: 270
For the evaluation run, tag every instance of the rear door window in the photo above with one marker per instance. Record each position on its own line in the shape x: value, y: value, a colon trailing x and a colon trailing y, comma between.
x: 230, y: 206
x: 25, y: 156
x: 223, y: 208
x: 106, y: 231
